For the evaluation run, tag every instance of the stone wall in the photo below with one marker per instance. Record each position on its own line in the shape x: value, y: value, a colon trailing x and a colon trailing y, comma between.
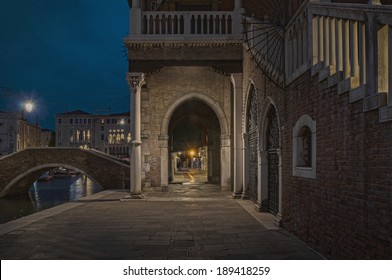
x: 162, y: 89
x: 345, y: 212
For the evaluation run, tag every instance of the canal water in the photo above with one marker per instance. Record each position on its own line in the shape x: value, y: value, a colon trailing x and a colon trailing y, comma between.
x: 46, y: 194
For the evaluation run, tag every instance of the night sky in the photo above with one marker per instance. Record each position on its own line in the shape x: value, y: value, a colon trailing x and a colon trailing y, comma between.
x: 66, y: 55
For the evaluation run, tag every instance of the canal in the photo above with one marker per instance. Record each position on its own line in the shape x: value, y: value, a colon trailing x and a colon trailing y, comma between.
x: 46, y: 194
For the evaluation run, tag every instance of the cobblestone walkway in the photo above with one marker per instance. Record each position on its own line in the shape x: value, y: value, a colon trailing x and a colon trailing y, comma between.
x: 192, y: 222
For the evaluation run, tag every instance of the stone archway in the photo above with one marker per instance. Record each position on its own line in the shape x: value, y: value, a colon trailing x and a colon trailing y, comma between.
x: 222, y: 138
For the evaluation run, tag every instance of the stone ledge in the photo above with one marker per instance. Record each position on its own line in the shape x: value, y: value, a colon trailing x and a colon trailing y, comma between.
x: 386, y: 114
x: 357, y: 94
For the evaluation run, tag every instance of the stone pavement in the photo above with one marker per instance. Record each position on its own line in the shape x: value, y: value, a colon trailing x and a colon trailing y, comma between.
x: 187, y: 222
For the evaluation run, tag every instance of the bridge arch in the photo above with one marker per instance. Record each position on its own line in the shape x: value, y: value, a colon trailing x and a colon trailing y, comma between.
x: 24, y: 180
x: 21, y: 169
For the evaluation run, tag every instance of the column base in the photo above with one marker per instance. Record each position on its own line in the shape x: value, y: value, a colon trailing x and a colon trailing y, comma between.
x: 236, y: 195
x: 278, y: 220
x: 245, y: 196
x: 132, y: 196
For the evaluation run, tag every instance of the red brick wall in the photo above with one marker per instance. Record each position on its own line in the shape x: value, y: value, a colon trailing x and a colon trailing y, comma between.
x: 345, y: 213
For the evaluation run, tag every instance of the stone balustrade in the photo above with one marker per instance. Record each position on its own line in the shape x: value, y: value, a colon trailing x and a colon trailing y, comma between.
x: 173, y: 23
x: 348, y: 45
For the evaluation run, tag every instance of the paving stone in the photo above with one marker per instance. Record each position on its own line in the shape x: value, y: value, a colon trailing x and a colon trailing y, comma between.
x: 191, y: 229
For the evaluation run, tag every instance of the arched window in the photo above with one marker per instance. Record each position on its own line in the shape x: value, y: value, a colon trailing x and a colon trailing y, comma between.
x: 304, y: 148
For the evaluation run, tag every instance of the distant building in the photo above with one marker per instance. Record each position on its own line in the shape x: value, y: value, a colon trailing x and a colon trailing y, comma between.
x: 107, y: 133
x: 17, y: 134
x: 47, y: 138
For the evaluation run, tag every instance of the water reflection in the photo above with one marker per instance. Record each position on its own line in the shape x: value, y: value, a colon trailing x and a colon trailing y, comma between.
x: 46, y: 194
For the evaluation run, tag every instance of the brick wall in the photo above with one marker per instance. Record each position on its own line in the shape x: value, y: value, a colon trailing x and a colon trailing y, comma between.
x: 345, y: 213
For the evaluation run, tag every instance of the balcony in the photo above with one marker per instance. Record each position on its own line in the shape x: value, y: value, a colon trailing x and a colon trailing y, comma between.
x: 166, y: 38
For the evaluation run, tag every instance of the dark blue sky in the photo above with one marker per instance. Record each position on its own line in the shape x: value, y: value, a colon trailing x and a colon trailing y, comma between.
x: 67, y: 55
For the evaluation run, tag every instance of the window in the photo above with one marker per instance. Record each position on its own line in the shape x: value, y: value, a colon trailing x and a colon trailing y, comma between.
x: 102, y: 121
x: 102, y: 137
x: 89, y: 121
x: 304, y: 148
x: 85, y: 121
x: 71, y: 121
x: 108, y: 121
x: 76, y: 121
x: 102, y: 128
x: 59, y: 121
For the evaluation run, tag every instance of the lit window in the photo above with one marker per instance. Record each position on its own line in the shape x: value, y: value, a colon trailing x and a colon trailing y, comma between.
x: 129, y: 137
x: 102, y: 121
x: 304, y: 148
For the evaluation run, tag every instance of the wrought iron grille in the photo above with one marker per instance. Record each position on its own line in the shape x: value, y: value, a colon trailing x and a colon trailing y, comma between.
x: 252, y: 127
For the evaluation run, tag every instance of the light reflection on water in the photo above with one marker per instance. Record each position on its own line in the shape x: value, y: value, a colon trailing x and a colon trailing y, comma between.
x: 46, y: 194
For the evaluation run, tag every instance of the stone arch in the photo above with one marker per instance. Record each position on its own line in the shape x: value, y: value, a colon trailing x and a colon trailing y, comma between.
x: 22, y: 168
x: 224, y: 137
x: 195, y: 96
x: 246, y: 103
x: 270, y: 186
x: 22, y: 181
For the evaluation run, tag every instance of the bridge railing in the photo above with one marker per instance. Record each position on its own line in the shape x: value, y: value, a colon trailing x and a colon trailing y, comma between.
x: 346, y: 44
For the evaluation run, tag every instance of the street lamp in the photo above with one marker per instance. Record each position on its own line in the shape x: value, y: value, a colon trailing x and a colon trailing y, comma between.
x: 29, y: 105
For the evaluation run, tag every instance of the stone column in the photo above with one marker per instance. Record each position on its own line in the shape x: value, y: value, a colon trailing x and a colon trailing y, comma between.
x: 237, y: 18
x: 238, y: 155
x: 278, y: 217
x: 225, y: 163
x: 135, y: 18
x: 135, y: 4
x: 164, y: 145
x: 135, y: 81
x: 245, y: 167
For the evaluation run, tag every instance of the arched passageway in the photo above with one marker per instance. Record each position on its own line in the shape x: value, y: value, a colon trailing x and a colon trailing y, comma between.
x: 197, y: 123
x: 194, y: 143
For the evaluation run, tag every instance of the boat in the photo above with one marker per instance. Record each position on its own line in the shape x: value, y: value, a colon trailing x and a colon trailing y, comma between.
x: 45, y: 177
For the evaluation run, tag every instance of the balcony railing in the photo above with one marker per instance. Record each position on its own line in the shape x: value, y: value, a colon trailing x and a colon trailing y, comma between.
x: 153, y: 25
x: 162, y: 23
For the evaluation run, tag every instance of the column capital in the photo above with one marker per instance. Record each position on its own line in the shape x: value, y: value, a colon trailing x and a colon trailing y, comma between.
x: 135, y: 80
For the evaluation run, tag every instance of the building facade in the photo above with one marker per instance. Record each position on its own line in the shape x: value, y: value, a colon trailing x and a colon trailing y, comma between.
x: 106, y: 133
x: 293, y: 99
x: 17, y: 134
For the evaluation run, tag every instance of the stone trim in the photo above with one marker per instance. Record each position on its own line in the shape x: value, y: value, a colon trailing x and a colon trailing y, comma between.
x: 306, y: 172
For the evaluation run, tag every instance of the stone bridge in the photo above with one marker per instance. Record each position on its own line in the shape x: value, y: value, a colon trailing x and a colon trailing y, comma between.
x: 20, y: 170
